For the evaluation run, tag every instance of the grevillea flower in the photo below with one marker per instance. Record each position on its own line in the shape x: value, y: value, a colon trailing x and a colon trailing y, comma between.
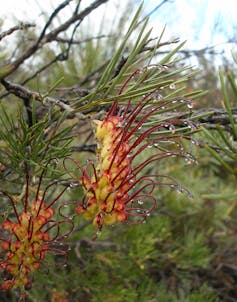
x: 28, y: 236
x: 118, y: 186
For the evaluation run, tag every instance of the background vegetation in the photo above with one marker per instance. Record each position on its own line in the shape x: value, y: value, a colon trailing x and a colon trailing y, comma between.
x: 54, y: 80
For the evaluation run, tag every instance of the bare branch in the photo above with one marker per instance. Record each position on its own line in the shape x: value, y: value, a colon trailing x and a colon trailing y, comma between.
x: 85, y: 148
x: 62, y: 40
x: 21, y: 26
x: 53, y: 15
x: 27, y: 94
x: 43, y: 39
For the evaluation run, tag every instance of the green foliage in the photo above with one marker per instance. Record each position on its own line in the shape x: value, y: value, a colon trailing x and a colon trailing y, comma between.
x: 224, y: 147
x: 31, y: 145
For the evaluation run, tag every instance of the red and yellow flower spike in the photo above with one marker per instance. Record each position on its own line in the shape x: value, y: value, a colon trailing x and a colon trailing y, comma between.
x: 27, y: 238
x: 119, y: 186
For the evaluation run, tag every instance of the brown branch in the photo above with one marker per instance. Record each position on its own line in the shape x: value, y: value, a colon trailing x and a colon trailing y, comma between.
x: 21, y: 26
x: 53, y: 15
x: 85, y: 148
x: 54, y: 33
x: 77, y: 42
x: 217, y: 116
x: 46, y: 38
x: 27, y: 94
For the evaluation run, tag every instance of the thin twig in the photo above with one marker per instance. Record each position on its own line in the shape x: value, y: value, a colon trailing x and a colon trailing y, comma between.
x: 25, y: 93
x: 77, y: 42
x: 85, y: 148
x: 51, y: 36
x: 21, y: 26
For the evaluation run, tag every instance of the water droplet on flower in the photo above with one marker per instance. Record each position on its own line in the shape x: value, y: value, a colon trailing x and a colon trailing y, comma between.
x: 172, y: 129
x: 190, y: 105
x: 189, y: 160
x: 139, y: 128
x: 73, y: 185
x: 140, y: 201
x: 98, y: 232
x: 149, y: 146
x: 148, y: 213
x: 122, y: 124
x: 174, y: 101
x: 172, y: 86
x: 180, y: 190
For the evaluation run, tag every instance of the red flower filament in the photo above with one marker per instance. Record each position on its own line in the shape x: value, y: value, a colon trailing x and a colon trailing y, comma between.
x: 28, y: 244
x: 27, y: 240
x: 116, y: 188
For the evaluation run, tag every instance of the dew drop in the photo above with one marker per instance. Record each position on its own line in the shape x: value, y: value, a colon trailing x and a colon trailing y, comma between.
x: 172, y: 129
x: 148, y: 213
x: 188, y: 160
x: 140, y: 201
x: 190, y: 105
x: 180, y: 190
x: 172, y: 86
x: 73, y: 185
x: 98, y: 232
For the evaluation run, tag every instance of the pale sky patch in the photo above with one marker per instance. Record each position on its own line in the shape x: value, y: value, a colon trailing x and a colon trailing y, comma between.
x: 191, y: 20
